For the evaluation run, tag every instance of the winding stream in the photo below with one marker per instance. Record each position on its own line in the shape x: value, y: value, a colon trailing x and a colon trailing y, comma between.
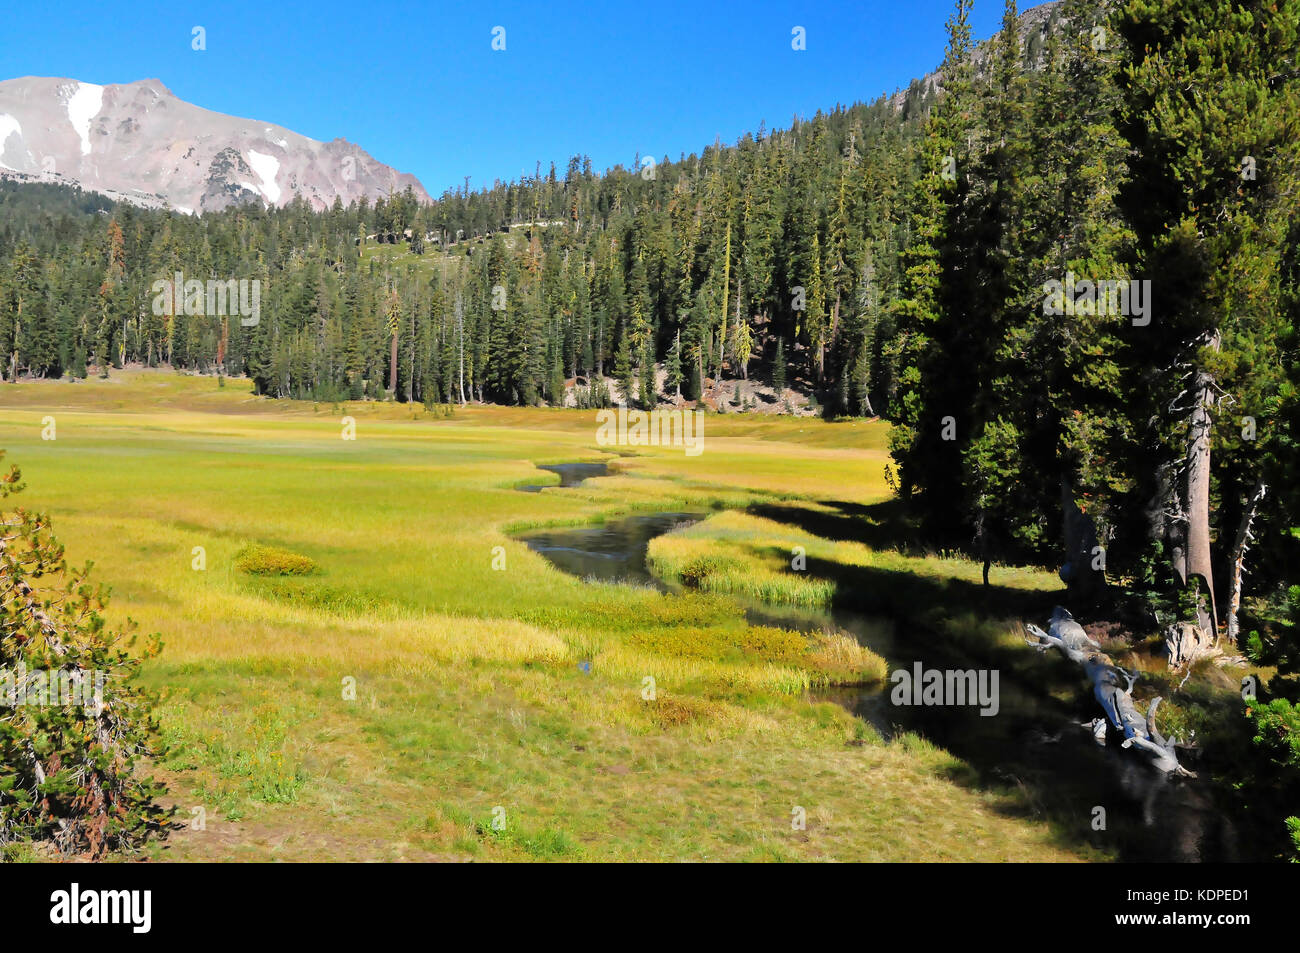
x: 571, y: 474
x: 1035, y: 742
x: 611, y: 552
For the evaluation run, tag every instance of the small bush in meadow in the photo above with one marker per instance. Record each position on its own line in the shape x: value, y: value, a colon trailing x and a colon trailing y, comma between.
x: 269, y: 561
x: 700, y: 570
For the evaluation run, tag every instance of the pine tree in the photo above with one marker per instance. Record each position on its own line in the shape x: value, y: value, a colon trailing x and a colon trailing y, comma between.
x: 674, y: 366
x: 69, y: 769
x: 743, y: 346
x: 646, y: 377
x: 556, y: 388
x: 623, y: 370
x: 932, y: 404
x: 1206, y: 100
x: 815, y: 319
x: 778, y: 369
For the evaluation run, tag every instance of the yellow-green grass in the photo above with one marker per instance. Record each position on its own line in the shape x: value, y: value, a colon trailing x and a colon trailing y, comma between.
x: 744, y: 554
x: 385, y: 705
x: 925, y: 597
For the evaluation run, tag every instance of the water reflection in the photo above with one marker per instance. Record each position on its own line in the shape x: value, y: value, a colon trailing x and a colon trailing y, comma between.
x: 614, y: 551
x: 571, y: 474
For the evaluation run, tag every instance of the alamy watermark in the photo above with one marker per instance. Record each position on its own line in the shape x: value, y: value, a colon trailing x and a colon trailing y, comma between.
x: 64, y: 687
x: 1129, y: 297
x: 195, y: 298
x: 946, y: 687
x: 651, y: 428
x: 133, y: 908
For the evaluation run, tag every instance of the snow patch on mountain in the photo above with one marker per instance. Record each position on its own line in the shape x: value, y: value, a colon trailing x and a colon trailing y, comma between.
x: 266, y: 168
x: 83, y: 106
x: 8, y: 126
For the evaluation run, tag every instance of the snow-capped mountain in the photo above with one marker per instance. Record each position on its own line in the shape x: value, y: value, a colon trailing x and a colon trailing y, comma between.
x: 138, y: 142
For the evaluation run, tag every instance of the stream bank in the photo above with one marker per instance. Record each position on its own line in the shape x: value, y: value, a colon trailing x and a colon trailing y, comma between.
x: 1035, y: 742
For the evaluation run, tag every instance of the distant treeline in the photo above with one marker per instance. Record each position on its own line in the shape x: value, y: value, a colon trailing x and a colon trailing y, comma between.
x: 785, y: 244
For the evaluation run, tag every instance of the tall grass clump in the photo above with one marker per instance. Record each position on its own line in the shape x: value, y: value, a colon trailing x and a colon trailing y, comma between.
x: 258, y: 560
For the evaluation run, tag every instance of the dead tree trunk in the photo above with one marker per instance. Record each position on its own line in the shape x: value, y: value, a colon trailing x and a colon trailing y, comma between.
x: 1187, y: 642
x: 392, y: 367
x: 1193, y: 561
x: 1239, y: 547
x: 1079, y: 571
x: 982, y: 542
x: 1116, y: 700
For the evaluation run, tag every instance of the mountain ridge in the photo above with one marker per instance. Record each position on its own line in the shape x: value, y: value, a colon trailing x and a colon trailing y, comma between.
x: 139, y: 142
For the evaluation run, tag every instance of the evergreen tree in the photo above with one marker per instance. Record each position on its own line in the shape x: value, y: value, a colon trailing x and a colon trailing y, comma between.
x: 1206, y: 100
x: 674, y: 366
x: 69, y: 768
x: 623, y: 370
x: 778, y: 369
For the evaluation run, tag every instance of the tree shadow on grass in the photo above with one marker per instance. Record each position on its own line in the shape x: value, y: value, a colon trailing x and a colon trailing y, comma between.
x: 1034, y: 757
x: 884, y: 525
x: 951, y: 621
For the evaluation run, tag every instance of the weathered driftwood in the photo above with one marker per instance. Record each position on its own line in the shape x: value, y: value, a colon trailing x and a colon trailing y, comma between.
x: 1112, y: 686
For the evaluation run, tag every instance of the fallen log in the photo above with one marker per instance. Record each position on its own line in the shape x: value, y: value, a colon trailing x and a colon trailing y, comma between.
x: 1112, y: 686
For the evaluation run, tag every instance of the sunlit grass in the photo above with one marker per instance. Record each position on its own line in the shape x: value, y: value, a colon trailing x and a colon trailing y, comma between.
x: 743, y: 554
x: 382, y: 706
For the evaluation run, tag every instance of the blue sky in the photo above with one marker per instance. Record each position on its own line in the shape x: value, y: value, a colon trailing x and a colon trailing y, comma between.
x: 419, y: 86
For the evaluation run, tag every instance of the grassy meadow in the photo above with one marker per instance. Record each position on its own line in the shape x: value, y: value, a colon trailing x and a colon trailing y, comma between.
x: 389, y: 698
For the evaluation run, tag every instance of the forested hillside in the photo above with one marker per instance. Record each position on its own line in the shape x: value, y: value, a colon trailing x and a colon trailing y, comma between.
x: 780, y: 251
x: 695, y: 262
x: 778, y: 256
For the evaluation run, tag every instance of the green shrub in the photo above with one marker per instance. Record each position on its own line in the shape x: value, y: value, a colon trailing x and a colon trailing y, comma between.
x: 696, y: 572
x: 269, y: 561
x: 71, y: 755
